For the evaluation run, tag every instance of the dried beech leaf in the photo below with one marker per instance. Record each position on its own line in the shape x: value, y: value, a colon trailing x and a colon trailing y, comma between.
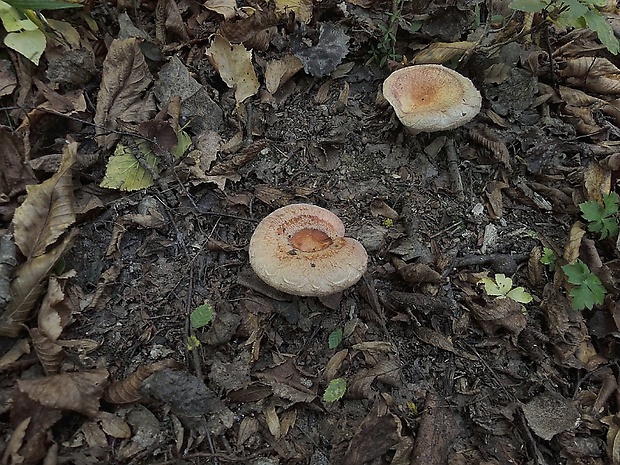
x: 234, y: 63
x: 49, y: 209
x: 28, y: 285
x: 128, y: 390
x: 278, y: 72
x: 114, y: 425
x: 51, y: 355
x: 79, y: 391
x: 55, y: 311
x: 301, y: 8
x: 124, y: 83
x: 442, y: 52
x: 571, y: 248
x: 244, y: 29
x: 227, y: 8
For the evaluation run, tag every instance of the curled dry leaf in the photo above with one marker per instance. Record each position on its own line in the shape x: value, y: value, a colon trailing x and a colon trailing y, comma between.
x: 503, y: 313
x: 244, y: 29
x: 49, y: 209
x: 55, y: 311
x: 28, y: 285
x: 51, y: 355
x: 123, y: 94
x: 14, y: 173
x: 79, y: 391
x: 280, y: 71
x: 442, y: 52
x: 128, y: 390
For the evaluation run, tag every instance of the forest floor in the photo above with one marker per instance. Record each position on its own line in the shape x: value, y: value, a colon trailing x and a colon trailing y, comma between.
x: 154, y: 139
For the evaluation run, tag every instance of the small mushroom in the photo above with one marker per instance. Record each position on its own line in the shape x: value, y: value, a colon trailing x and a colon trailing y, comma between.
x: 301, y: 249
x: 428, y: 98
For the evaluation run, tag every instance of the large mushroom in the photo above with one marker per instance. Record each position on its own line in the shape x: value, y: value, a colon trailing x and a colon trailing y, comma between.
x: 428, y: 98
x: 300, y: 249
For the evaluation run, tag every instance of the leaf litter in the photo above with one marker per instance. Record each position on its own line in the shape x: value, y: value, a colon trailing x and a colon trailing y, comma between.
x: 263, y: 112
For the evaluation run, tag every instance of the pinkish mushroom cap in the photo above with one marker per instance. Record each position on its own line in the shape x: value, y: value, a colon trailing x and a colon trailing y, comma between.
x: 300, y: 249
x: 428, y: 98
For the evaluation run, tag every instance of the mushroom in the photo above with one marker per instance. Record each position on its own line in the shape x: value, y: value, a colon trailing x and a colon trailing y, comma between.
x: 301, y: 249
x: 431, y: 98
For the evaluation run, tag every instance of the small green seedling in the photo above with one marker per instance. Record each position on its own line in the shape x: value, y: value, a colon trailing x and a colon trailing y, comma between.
x: 192, y: 343
x: 501, y: 287
x: 202, y: 316
x: 601, y: 218
x: 335, y: 390
x: 548, y: 258
x: 587, y: 289
x: 335, y: 338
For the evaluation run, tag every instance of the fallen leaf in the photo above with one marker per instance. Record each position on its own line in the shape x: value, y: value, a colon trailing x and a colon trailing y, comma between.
x: 278, y: 72
x: 234, y: 64
x: 123, y: 95
x: 49, y: 209
x: 301, y: 8
x: 79, y: 391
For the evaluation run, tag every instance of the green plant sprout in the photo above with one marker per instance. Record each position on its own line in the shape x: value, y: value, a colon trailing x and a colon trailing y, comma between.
x: 335, y: 390
x: 501, y: 287
x: 579, y: 14
x: 548, y: 258
x: 587, y: 289
x: 601, y: 218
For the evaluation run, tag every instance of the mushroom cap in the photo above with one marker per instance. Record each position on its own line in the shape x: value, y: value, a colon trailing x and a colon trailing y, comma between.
x: 431, y: 97
x: 300, y: 249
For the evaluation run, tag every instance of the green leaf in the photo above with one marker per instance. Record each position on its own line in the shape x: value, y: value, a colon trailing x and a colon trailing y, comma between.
x: 498, y: 287
x: 30, y: 44
x: 519, y: 294
x: 335, y: 390
x: 588, y: 290
x: 124, y: 172
x: 529, y: 6
x: 202, y: 316
x: 13, y: 20
x: 183, y: 143
x: 42, y: 4
x: 548, y: 258
x: 335, y: 338
x: 599, y: 24
x: 592, y: 211
x: 610, y: 202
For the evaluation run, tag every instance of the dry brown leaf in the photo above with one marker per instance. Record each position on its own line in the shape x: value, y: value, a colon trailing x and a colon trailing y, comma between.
x: 333, y: 365
x: 273, y: 422
x: 494, y: 194
x: 128, y: 390
x: 227, y: 8
x: 301, y: 8
x: 597, y: 181
x: 279, y: 71
x: 15, y: 443
x: 571, y: 249
x: 234, y: 64
x: 500, y: 313
x: 14, y: 173
x: 55, y: 311
x: 113, y: 425
x: 8, y: 261
x: 51, y: 355
x: 79, y: 391
x: 244, y: 29
x: 49, y: 209
x: 442, y: 52
x: 123, y: 96
x: 18, y: 349
x: 28, y: 285
x: 247, y: 428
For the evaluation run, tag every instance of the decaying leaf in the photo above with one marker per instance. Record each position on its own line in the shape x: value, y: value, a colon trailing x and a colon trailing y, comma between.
x: 278, y: 72
x: 227, y: 8
x: 442, y: 52
x: 123, y: 96
x: 8, y: 261
x: 14, y: 173
x: 50, y: 354
x: 79, y: 391
x: 128, y: 390
x: 324, y: 57
x: 301, y: 8
x: 28, y: 285
x: 125, y: 172
x: 244, y: 29
x: 234, y: 64
x: 500, y: 313
x: 49, y: 209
